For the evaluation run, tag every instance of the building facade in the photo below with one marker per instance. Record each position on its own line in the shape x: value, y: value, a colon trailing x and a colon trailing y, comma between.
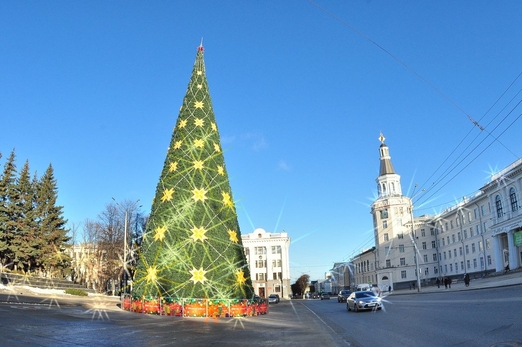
x: 478, y: 235
x: 268, y: 259
x: 342, y: 276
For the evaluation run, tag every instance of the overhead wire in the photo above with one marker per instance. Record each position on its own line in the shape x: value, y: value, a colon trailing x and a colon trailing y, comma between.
x: 452, y: 167
x: 475, y: 123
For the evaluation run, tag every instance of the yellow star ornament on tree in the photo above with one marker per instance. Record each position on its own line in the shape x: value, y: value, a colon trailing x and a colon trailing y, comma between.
x: 198, y: 234
x: 198, y: 275
x: 232, y: 236
x: 167, y: 194
x: 226, y: 199
x: 198, y: 104
x: 159, y: 233
x: 199, y: 122
x: 199, y: 194
x: 152, y: 275
x: 182, y: 123
x: 240, y: 277
x: 198, y: 164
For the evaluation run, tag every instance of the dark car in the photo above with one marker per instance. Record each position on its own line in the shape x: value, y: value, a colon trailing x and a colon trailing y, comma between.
x: 366, y: 300
x: 273, y: 298
x: 343, y: 295
x: 325, y: 296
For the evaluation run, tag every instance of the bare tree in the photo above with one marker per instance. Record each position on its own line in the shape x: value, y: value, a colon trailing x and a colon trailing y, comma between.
x: 111, y: 243
x: 91, y: 257
x: 107, y: 246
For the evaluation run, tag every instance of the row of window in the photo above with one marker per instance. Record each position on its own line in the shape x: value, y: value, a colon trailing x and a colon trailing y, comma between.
x: 512, y: 200
x: 455, y: 266
x: 365, y: 266
x: 264, y: 276
x: 446, y: 240
x: 262, y: 250
x: 262, y: 263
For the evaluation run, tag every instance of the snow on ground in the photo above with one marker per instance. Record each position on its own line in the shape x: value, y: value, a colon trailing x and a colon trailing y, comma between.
x: 35, y: 290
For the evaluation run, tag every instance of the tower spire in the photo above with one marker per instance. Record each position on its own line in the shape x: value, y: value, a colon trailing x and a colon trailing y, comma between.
x: 388, y: 182
x: 386, y: 164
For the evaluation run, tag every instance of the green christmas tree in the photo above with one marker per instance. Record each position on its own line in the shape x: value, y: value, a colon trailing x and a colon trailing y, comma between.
x: 192, y: 246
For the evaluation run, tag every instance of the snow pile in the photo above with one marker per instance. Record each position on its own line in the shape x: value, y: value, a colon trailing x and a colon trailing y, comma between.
x: 30, y: 290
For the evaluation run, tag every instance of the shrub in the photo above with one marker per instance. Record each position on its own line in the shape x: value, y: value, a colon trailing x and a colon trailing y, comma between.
x: 76, y: 291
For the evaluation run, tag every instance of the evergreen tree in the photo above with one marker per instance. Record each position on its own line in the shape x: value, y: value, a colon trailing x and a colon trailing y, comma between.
x: 7, y: 210
x: 52, y: 226
x: 22, y: 243
x: 192, y: 246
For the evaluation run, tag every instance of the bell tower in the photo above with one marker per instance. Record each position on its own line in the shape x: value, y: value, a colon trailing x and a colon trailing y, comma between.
x: 391, y: 212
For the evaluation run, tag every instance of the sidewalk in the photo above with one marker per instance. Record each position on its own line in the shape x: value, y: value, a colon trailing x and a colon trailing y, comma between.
x: 510, y: 278
x: 56, y: 297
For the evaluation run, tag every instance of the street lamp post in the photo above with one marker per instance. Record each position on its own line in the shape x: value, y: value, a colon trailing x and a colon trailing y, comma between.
x: 125, y: 245
x: 412, y: 236
x: 461, y: 219
x: 483, y: 241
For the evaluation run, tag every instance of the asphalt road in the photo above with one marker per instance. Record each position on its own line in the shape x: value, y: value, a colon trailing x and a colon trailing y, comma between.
x: 30, y: 321
x: 489, y: 317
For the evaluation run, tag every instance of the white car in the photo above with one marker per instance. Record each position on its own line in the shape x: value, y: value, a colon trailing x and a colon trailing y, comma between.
x: 363, y: 300
x: 273, y: 299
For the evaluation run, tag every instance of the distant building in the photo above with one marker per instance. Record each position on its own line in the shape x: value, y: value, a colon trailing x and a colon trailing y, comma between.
x: 342, y: 276
x: 268, y: 259
x: 478, y: 235
x: 87, y: 262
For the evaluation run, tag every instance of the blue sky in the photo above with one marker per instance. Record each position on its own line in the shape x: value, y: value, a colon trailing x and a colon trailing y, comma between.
x: 300, y: 89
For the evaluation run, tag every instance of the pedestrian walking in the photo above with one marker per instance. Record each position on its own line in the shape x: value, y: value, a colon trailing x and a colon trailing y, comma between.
x: 438, y: 282
x: 466, y: 280
x: 445, y: 282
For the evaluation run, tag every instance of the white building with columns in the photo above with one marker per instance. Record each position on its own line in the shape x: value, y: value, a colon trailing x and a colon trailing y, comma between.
x: 268, y: 259
x: 481, y: 234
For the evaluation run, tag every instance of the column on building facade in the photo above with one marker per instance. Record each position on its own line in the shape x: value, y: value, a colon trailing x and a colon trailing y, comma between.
x: 499, y: 262
x: 513, y: 251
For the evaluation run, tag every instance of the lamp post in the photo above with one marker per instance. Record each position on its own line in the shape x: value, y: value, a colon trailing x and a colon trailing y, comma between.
x: 415, y: 250
x: 483, y: 241
x: 412, y: 236
x: 461, y: 219
x: 125, y: 245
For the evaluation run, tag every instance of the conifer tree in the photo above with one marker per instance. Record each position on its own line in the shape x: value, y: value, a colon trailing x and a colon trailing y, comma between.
x: 192, y: 246
x: 23, y: 214
x: 7, y: 209
x: 51, y: 225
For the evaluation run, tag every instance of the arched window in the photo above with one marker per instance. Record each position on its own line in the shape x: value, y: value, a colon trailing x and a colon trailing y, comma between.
x: 393, y: 187
x: 513, y: 199
x: 383, y: 189
x: 498, y: 204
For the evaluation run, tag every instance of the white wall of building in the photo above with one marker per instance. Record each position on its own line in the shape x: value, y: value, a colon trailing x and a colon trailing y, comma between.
x: 268, y: 259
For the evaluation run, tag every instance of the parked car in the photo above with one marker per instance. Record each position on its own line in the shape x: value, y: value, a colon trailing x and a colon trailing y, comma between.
x: 363, y: 300
x: 273, y: 299
x: 343, y: 295
x: 325, y: 296
x: 363, y: 287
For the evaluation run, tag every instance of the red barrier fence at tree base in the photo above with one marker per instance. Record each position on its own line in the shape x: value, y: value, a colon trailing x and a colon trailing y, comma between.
x: 190, y: 307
